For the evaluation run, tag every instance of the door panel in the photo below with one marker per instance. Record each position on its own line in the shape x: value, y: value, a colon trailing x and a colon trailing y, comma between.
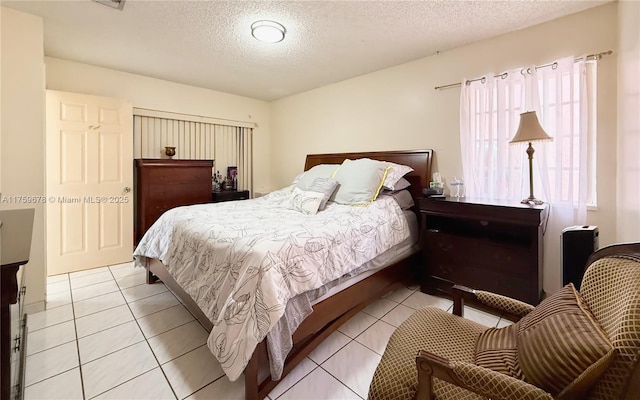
x: 89, y: 164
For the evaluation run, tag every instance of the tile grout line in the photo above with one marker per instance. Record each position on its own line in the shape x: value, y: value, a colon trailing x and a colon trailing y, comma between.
x: 75, y: 327
x: 144, y: 340
x: 148, y: 344
x: 299, y: 380
x: 338, y: 379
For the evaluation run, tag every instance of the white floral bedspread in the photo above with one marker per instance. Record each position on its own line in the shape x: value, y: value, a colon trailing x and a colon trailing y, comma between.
x: 242, y: 261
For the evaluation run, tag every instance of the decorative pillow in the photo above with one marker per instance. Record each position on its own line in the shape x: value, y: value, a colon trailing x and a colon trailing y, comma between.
x: 326, y: 186
x: 305, y: 202
x: 395, y: 173
x: 402, y: 197
x: 319, y: 171
x: 561, y: 347
x: 400, y: 185
x: 496, y: 349
x: 360, y: 181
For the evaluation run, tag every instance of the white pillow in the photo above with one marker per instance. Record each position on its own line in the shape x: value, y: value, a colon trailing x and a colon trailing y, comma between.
x: 396, y: 172
x: 305, y: 202
x: 319, y: 171
x: 360, y: 181
x: 326, y: 186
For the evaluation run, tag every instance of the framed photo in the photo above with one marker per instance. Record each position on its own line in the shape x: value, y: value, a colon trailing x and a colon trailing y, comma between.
x: 231, y: 173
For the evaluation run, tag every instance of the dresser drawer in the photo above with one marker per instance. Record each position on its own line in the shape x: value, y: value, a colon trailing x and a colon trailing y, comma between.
x: 442, y: 250
x: 180, y: 193
x: 181, y: 175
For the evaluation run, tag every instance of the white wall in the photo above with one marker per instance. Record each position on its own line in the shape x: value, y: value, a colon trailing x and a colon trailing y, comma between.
x: 22, y: 130
x: 398, y: 108
x: 156, y: 94
x: 628, y: 211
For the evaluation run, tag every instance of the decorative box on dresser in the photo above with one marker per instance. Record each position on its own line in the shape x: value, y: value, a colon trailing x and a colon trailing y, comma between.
x: 16, y: 228
x: 483, y: 244
x: 162, y: 184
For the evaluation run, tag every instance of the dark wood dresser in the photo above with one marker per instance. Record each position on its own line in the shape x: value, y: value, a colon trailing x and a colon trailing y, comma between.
x: 483, y: 244
x: 16, y: 228
x: 164, y: 184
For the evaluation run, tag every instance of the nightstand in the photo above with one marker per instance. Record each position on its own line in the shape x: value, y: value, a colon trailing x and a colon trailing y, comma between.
x: 229, y: 195
x: 483, y: 244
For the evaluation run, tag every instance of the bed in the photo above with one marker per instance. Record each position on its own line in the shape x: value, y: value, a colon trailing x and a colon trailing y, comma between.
x: 328, y: 312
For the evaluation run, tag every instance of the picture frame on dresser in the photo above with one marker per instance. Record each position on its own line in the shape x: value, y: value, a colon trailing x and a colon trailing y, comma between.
x: 232, y: 172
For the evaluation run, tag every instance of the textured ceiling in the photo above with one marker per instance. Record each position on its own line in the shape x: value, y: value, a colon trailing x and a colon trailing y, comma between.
x: 209, y: 43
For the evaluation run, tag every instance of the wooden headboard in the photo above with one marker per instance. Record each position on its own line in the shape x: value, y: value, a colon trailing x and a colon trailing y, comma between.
x: 419, y: 160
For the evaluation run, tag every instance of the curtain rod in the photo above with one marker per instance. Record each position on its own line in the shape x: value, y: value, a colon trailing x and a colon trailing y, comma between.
x: 504, y: 74
x: 149, y: 112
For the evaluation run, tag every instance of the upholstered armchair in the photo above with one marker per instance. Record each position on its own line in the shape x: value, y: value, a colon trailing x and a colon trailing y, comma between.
x: 573, y: 345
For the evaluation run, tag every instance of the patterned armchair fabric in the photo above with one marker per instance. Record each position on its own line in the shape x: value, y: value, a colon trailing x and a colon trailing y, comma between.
x: 503, y: 303
x: 429, y: 329
x: 496, y: 385
x: 445, y: 343
x: 611, y: 286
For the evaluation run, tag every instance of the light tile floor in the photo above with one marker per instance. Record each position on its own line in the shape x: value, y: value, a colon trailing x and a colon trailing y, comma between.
x: 106, y: 334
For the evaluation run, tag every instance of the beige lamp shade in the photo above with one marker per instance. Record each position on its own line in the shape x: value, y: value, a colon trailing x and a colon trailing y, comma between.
x: 530, y: 129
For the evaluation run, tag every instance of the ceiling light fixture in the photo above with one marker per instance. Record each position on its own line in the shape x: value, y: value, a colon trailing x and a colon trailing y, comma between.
x: 268, y: 31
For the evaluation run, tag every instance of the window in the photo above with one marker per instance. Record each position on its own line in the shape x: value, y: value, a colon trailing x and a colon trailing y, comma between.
x: 563, y: 95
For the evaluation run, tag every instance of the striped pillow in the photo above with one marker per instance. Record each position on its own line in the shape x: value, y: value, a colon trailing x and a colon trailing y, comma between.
x: 561, y: 347
x: 496, y: 349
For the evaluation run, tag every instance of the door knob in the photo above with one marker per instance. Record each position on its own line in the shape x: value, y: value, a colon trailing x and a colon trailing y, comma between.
x: 127, y: 189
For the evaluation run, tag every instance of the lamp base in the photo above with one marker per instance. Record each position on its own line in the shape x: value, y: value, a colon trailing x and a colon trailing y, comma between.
x: 532, y: 201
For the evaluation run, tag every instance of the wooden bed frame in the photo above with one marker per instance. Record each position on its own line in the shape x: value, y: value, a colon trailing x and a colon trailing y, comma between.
x: 332, y: 312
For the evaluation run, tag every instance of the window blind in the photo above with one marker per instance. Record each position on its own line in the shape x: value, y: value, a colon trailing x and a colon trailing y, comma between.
x: 226, y: 145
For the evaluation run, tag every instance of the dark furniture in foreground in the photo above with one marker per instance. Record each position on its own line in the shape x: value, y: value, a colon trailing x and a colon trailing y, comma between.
x: 485, y: 244
x: 164, y: 184
x: 229, y: 195
x: 16, y: 228
x: 329, y: 314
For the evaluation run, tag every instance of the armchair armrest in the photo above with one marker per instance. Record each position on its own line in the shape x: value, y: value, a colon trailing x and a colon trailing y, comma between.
x: 512, y: 308
x: 480, y: 380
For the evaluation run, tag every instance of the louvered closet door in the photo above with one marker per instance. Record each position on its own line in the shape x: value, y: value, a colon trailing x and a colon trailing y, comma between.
x: 89, y: 158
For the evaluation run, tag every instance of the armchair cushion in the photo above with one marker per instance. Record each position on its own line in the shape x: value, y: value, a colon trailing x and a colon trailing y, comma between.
x: 432, y: 330
x: 496, y: 350
x: 561, y: 347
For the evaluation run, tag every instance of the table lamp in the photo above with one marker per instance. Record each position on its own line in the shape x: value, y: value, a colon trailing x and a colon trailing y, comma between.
x: 529, y: 131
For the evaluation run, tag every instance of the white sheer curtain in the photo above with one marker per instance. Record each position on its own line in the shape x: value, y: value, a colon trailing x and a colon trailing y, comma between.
x: 489, y: 115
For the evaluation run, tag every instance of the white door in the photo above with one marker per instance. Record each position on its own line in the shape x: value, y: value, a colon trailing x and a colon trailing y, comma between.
x: 89, y: 176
